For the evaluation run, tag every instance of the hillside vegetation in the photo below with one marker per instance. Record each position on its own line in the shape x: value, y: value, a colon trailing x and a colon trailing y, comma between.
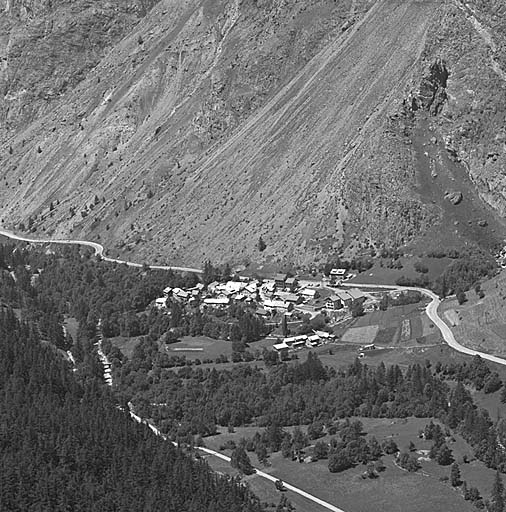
x: 189, y: 130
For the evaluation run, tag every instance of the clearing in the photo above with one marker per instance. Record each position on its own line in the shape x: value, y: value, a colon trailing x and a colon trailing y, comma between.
x: 423, y: 490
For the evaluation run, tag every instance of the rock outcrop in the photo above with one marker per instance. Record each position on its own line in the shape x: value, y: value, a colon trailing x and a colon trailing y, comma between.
x: 454, y: 197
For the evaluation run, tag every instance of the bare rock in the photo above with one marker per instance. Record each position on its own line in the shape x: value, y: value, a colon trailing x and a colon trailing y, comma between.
x: 454, y: 197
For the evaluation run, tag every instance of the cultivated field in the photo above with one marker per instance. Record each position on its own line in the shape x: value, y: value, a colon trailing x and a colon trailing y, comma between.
x: 361, y: 335
x: 397, y: 326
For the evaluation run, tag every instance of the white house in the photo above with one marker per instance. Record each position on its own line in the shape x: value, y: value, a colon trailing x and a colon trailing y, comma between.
x: 309, y: 293
x: 217, y: 301
x: 275, y: 304
x: 161, y: 302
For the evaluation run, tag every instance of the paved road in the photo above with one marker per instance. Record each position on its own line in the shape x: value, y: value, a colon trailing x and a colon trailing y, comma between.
x: 260, y: 473
x: 431, y: 310
x: 99, y: 251
x: 432, y: 313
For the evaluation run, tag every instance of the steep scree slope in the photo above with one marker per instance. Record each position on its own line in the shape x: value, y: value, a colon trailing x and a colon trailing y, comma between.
x: 47, y: 47
x: 216, y: 122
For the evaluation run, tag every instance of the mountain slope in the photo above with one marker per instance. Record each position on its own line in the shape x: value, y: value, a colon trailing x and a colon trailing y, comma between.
x: 214, y: 123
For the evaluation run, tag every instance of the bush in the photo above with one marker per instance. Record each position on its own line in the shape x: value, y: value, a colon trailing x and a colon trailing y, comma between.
x: 390, y: 446
x: 339, y: 462
x: 408, y: 462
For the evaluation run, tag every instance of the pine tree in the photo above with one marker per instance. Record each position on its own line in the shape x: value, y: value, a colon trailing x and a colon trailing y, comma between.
x: 286, y: 446
x: 240, y: 460
x: 284, y: 326
x: 497, y: 497
x: 455, y: 475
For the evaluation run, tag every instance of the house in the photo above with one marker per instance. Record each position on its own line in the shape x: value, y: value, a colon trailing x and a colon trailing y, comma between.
x: 232, y: 287
x: 357, y: 295
x: 288, y: 297
x: 280, y: 280
x: 309, y: 293
x: 161, y: 302
x: 299, y: 344
x: 324, y: 335
x: 291, y: 284
x: 344, y: 297
x: 282, y: 348
x: 180, y: 295
x: 338, y: 273
x: 167, y: 291
x: 252, y: 287
x: 290, y: 341
x: 276, y: 304
x: 313, y: 341
x: 213, y: 286
x: 269, y: 287
x: 333, y: 303
x: 217, y: 301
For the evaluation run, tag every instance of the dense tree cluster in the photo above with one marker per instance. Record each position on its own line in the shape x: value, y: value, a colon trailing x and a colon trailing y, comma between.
x: 75, y: 283
x: 463, y: 273
x: 65, y: 445
x: 197, y: 399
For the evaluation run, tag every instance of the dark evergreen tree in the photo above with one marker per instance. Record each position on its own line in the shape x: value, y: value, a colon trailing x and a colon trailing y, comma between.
x: 455, y: 475
x: 497, y: 495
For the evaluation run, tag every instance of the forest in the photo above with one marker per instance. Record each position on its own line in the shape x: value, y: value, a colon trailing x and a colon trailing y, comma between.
x: 66, y: 443
x: 64, y: 429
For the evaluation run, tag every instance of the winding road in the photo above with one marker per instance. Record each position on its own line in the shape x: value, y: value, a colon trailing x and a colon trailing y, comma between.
x: 431, y: 311
x: 98, y: 248
x: 258, y: 472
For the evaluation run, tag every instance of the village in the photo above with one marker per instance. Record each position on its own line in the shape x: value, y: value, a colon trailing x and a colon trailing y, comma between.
x: 282, y: 299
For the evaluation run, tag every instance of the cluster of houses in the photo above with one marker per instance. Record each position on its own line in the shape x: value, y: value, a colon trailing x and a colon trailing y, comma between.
x: 303, y: 340
x: 344, y: 299
x: 282, y: 293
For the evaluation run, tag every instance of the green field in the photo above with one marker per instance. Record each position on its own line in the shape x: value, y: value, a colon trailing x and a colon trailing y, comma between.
x: 397, y: 326
x: 383, y: 275
x: 126, y: 345
x: 395, y: 487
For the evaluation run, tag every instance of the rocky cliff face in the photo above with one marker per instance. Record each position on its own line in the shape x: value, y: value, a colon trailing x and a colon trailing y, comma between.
x: 471, y: 38
x: 188, y: 129
x: 47, y: 47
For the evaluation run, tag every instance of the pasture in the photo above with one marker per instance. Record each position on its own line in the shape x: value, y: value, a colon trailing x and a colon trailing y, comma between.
x: 394, y: 488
